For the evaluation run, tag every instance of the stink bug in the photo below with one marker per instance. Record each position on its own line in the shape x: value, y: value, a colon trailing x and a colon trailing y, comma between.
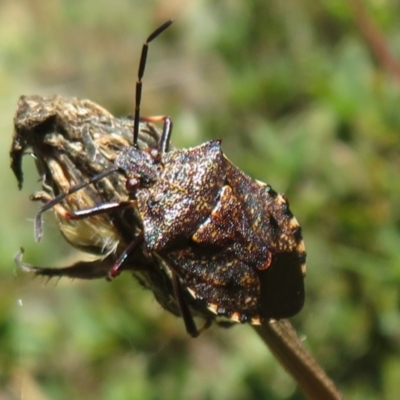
x: 230, y: 241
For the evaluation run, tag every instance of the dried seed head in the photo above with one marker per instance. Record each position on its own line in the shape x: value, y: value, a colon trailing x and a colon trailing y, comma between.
x: 72, y: 140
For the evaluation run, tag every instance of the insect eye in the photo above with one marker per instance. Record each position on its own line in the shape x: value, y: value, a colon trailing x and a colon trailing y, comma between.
x: 155, y: 154
x: 132, y: 184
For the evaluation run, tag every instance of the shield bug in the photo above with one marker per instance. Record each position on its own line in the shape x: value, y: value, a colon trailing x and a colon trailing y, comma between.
x: 230, y: 241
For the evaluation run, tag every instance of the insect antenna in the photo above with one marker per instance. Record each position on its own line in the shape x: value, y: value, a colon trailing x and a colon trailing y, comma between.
x: 142, y: 65
x: 164, y: 144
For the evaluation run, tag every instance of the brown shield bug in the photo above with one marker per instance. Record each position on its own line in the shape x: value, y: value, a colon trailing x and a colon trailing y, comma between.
x: 229, y: 240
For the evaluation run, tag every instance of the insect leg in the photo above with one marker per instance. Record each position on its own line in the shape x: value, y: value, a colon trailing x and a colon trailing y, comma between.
x: 74, y: 215
x: 186, y: 314
x: 99, y: 209
x: 51, y: 202
x: 166, y: 132
x: 116, y: 269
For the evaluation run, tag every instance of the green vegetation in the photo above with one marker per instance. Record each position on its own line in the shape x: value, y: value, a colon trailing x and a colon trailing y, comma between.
x: 301, y: 101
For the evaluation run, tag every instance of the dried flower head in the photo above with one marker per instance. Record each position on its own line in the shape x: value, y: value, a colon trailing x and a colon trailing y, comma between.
x: 71, y: 141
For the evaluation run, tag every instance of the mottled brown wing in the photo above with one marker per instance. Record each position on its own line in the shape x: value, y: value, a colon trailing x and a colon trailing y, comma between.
x: 246, y: 260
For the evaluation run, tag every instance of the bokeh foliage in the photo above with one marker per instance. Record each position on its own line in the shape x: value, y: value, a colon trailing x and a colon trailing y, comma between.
x: 300, y: 102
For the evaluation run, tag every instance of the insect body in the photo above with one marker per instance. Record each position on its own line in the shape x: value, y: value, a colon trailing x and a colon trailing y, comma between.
x: 232, y: 241
x: 229, y: 240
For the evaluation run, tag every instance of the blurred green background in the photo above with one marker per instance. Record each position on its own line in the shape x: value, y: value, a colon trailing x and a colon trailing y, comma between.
x: 301, y: 102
